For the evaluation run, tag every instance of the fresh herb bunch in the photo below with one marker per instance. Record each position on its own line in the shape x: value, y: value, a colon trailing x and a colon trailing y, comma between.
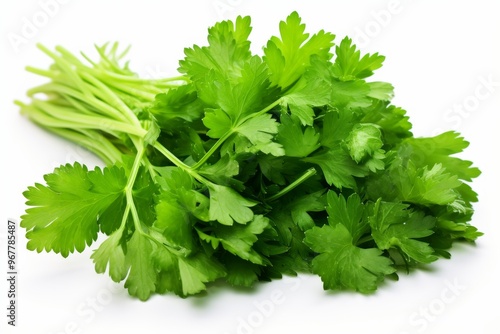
x: 244, y: 167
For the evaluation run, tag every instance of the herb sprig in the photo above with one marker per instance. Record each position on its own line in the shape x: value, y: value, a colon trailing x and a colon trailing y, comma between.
x: 244, y: 167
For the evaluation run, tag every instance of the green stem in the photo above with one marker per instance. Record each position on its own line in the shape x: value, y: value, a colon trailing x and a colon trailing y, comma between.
x: 212, y: 150
x: 263, y: 111
x: 62, y: 117
x: 136, y: 92
x: 150, y: 167
x: 44, y: 73
x: 129, y: 189
x: 92, y: 141
x: 308, y: 173
x: 106, y: 74
x: 112, y: 63
x: 66, y: 67
x: 137, y: 80
x: 101, y: 90
x: 101, y: 107
x: 88, y: 84
x: 123, y: 223
x: 130, y: 208
x: 77, y: 104
x: 366, y: 238
x: 222, y: 139
x: 170, y: 156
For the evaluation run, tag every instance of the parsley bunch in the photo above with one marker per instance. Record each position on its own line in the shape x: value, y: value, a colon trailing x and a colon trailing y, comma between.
x: 244, y: 167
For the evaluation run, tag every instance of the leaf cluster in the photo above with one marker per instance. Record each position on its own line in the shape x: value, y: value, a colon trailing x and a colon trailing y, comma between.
x: 245, y: 167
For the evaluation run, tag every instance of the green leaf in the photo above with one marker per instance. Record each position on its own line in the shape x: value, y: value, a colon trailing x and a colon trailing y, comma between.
x: 144, y: 192
x: 174, y: 178
x: 111, y: 255
x: 296, y: 141
x: 228, y: 47
x: 226, y: 63
x: 218, y: 122
x: 313, y: 89
x: 260, y: 131
x: 142, y: 276
x: 272, y: 168
x: 297, y: 257
x: 299, y: 208
x: 349, y: 213
x: 167, y: 267
x: 240, y: 272
x: 173, y: 222
x: 350, y: 94
x: 288, y: 57
x: 238, y: 239
x: 337, y: 125
x: 455, y: 230
x: 179, y: 185
x: 237, y: 104
x: 342, y: 265
x: 196, y: 271
x: 349, y: 65
x: 227, y: 205
x: 185, y: 275
x: 222, y: 171
x: 248, y: 93
x: 176, y: 107
x: 439, y: 150
x: 64, y: 215
x: 393, y: 121
x: 338, y: 167
x: 111, y: 179
x: 394, y: 226
x: 427, y: 186
x: 381, y: 91
x: 434, y: 186
x: 364, y: 141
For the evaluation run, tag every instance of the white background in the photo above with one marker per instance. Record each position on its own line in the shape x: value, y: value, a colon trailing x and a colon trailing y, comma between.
x: 439, y: 56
